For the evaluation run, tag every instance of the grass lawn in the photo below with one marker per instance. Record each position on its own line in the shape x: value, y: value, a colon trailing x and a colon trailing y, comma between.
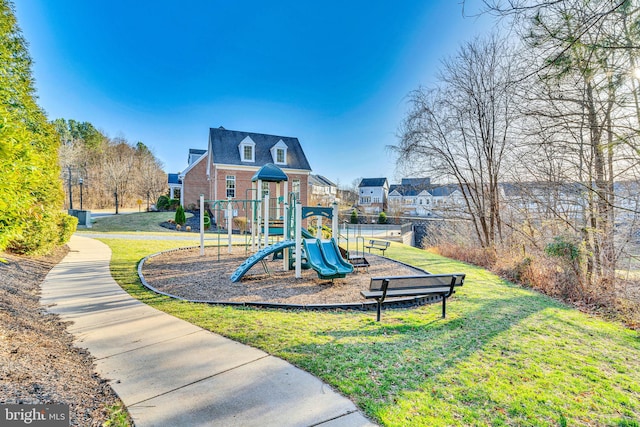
x: 503, y: 356
x: 139, y: 221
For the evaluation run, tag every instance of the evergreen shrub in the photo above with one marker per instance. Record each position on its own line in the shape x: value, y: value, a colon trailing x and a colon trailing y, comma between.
x: 180, y: 217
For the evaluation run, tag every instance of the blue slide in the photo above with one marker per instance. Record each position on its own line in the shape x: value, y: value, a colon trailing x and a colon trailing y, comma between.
x: 258, y: 256
x: 327, y: 265
x: 332, y: 254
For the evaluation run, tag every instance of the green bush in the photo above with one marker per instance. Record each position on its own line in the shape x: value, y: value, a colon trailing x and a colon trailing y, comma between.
x: 354, y: 217
x: 180, y: 217
x: 561, y: 248
x: 67, y: 225
x: 174, y: 203
x: 42, y: 232
x: 31, y: 195
x: 382, y: 218
x: 163, y: 203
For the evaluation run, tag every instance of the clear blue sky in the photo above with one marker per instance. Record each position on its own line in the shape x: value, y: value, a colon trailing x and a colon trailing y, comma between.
x: 335, y: 74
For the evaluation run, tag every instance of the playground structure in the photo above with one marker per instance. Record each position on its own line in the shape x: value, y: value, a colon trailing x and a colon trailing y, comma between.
x: 279, y: 218
x: 323, y: 256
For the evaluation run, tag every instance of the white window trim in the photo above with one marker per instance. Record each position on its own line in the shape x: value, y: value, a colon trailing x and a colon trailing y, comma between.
x: 274, y: 152
x: 235, y: 187
x: 247, y: 142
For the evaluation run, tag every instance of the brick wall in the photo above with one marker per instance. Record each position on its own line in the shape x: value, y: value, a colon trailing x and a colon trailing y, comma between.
x: 194, y: 184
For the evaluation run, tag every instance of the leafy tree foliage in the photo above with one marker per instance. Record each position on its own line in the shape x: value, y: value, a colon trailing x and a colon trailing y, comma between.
x: 31, y: 194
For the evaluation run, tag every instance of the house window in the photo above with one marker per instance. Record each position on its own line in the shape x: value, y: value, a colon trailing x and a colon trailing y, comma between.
x: 231, y: 186
x: 279, y: 153
x: 365, y: 200
x: 247, y: 153
x: 247, y: 150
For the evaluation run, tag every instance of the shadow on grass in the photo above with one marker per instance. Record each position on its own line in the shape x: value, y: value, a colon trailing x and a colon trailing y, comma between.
x: 409, y: 346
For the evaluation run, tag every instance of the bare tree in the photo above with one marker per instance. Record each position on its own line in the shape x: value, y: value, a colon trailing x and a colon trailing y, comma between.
x: 459, y: 132
x: 150, y: 180
x: 583, y: 111
x: 118, y: 170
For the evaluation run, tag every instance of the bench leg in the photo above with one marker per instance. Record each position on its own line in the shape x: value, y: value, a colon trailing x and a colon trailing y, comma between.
x: 378, y: 308
x: 444, y: 306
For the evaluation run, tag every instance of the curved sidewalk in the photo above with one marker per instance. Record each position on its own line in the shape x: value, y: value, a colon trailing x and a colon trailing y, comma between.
x: 169, y: 372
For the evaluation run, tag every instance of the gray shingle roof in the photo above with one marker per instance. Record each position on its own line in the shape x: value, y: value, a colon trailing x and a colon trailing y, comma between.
x: 416, y: 182
x: 411, y: 186
x: 372, y: 182
x: 224, y: 147
x: 195, y: 154
x: 444, y: 190
x: 320, y: 181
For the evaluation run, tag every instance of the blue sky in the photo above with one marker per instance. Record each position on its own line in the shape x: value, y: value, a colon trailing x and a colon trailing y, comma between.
x: 334, y: 74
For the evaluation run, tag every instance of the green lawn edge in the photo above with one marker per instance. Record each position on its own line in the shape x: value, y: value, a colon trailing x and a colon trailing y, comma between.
x: 503, y: 356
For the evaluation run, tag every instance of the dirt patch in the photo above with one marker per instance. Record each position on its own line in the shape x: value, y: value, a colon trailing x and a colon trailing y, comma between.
x: 186, y: 274
x: 38, y: 362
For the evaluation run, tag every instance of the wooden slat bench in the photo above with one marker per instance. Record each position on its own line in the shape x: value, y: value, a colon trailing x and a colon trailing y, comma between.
x: 442, y: 285
x: 380, y: 245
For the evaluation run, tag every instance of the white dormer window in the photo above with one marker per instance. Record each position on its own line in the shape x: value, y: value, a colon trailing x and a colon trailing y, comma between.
x: 247, y: 150
x: 279, y: 153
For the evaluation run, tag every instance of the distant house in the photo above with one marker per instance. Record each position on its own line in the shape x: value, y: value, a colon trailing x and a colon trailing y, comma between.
x: 446, y: 200
x: 419, y: 197
x: 225, y: 169
x: 322, y: 190
x: 410, y: 197
x: 372, y: 194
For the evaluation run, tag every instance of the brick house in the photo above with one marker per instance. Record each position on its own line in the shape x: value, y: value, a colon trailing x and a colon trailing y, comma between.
x: 225, y: 169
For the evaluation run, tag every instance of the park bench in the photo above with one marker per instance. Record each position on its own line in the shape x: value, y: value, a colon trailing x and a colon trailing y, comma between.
x: 435, y: 285
x: 380, y: 245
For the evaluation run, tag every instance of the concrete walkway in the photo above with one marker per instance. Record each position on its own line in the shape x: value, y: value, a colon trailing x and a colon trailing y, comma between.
x: 171, y: 373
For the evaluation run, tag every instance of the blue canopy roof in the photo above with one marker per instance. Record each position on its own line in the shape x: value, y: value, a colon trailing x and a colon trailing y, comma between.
x: 270, y: 173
